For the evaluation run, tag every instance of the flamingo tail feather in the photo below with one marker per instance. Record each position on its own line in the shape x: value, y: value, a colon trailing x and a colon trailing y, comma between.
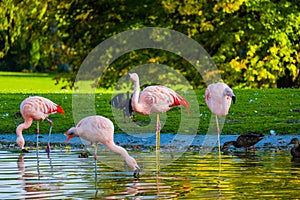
x: 60, y: 109
x: 179, y: 100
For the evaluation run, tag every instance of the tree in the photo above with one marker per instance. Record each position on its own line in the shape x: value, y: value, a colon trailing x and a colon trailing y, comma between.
x: 25, y: 31
x: 253, y: 43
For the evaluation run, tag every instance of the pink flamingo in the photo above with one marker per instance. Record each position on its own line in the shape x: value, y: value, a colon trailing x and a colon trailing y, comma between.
x: 218, y: 99
x: 36, y: 108
x: 155, y: 99
x: 98, y: 129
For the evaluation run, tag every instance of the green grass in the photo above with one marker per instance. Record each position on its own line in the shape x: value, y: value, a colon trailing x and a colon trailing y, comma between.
x: 18, y: 82
x: 259, y: 110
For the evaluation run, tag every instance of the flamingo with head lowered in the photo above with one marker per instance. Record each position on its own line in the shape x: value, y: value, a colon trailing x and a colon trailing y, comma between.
x: 218, y: 98
x: 36, y: 108
x: 98, y: 129
x: 155, y: 99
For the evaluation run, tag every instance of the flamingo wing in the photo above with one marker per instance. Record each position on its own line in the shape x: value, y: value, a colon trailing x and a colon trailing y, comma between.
x: 161, y: 99
x: 39, y: 106
x: 96, y: 129
x: 48, y: 107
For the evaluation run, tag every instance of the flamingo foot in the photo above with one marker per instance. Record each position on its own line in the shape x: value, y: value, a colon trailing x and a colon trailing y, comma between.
x: 48, y: 149
x: 24, y: 151
x: 136, y: 173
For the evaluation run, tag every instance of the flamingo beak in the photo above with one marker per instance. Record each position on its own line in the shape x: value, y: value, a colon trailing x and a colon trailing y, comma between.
x: 136, y: 173
x: 127, y: 77
x: 233, y: 99
x: 68, y: 137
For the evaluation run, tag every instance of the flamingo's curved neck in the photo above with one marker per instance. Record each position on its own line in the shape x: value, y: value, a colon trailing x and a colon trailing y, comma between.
x: 135, y: 97
x: 23, y: 126
x: 19, y: 130
x: 20, y: 138
x: 117, y: 149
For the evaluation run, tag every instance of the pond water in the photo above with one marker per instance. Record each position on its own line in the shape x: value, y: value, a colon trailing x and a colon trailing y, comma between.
x: 267, y: 173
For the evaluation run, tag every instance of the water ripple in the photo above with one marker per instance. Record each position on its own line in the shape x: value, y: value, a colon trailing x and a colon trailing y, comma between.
x: 66, y: 176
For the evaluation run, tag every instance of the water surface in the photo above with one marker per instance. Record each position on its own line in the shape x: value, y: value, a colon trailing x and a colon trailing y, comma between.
x: 268, y: 173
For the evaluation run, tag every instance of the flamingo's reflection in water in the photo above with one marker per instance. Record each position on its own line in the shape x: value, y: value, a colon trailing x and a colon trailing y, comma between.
x: 35, y: 184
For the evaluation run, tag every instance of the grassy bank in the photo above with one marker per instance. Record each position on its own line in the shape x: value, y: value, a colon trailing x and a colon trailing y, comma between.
x: 255, y: 109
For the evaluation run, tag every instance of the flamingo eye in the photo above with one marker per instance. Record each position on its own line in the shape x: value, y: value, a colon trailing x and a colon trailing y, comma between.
x: 71, y: 133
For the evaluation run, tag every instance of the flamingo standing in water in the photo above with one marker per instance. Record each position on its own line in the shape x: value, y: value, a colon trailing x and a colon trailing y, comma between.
x: 98, y: 129
x: 155, y: 99
x: 36, y: 108
x: 218, y: 99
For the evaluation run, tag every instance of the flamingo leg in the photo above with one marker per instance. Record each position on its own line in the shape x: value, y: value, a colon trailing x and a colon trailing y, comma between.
x: 95, y: 157
x: 157, y: 132
x: 157, y: 161
x: 219, y: 149
x: 37, y: 138
x: 158, y: 127
x: 218, y: 131
x: 48, y: 145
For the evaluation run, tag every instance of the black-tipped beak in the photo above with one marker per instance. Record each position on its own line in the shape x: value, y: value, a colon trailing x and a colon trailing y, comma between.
x: 136, y: 173
x: 127, y: 77
x: 24, y: 151
x: 233, y: 99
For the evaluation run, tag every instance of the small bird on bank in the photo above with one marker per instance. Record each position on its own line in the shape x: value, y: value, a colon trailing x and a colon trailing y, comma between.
x: 245, y: 140
x: 36, y: 108
x: 97, y: 129
x: 155, y: 99
x: 218, y: 98
x: 295, y: 151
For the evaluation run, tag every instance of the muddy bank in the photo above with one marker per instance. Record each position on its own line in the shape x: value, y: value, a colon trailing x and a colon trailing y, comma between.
x: 178, y: 142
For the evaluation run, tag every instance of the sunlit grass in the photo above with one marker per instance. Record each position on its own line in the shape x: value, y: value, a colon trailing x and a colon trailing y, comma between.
x: 260, y: 110
x: 28, y: 83
x: 18, y: 82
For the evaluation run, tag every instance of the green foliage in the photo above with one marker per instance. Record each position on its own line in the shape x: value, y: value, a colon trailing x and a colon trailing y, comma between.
x: 24, y: 29
x: 255, y: 44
